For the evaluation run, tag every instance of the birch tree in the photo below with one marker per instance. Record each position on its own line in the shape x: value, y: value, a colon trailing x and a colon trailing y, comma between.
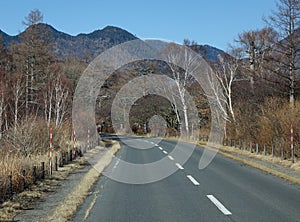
x: 226, y: 72
x: 3, y: 86
x: 61, y: 95
x: 3, y: 104
x: 17, y: 90
x: 182, y: 76
x: 56, y: 96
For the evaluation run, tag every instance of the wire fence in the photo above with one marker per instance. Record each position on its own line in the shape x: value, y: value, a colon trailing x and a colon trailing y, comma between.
x: 286, y: 152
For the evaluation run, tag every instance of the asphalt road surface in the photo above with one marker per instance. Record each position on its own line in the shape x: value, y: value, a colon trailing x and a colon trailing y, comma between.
x: 224, y: 191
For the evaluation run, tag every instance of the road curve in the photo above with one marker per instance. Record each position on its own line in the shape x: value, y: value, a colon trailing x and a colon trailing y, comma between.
x: 225, y: 191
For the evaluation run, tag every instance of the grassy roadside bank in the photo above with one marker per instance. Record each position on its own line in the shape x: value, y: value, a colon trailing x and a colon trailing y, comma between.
x: 26, y: 200
x: 66, y: 209
x: 238, y: 155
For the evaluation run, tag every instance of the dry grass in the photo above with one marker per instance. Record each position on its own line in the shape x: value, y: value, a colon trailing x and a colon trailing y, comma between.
x: 268, y: 158
x: 231, y: 153
x: 69, y: 205
x: 14, y: 164
x: 23, y: 149
x: 25, y: 199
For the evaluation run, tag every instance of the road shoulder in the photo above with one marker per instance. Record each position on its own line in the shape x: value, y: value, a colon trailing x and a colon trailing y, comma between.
x: 264, y: 164
x: 61, y: 204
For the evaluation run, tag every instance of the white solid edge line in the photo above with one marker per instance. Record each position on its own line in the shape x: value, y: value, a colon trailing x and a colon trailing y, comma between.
x: 179, y: 166
x: 116, y: 164
x: 165, y: 152
x: 195, y: 182
x: 219, y: 205
x: 170, y: 157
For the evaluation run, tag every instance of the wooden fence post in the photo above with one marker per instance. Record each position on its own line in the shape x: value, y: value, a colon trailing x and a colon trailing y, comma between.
x: 56, y: 163
x: 34, y: 174
x: 71, y: 156
x: 24, y: 180
x: 10, y: 187
x: 43, y: 170
x: 66, y: 157
x: 61, y: 160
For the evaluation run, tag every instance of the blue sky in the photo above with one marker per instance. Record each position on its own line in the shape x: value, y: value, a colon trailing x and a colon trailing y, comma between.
x: 213, y: 22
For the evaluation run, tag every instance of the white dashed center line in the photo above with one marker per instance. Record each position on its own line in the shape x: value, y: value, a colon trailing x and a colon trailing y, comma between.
x: 160, y: 148
x: 170, y: 157
x: 165, y: 152
x: 219, y: 205
x: 195, y: 182
x: 179, y: 166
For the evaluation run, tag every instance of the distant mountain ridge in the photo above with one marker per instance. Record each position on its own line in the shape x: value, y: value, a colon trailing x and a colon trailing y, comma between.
x: 92, y: 44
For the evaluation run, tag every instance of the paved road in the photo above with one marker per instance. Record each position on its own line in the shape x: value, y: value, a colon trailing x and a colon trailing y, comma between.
x: 225, y: 191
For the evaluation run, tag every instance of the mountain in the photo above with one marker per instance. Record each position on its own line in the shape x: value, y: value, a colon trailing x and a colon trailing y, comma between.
x: 208, y: 52
x: 7, y: 39
x: 81, y: 45
x: 90, y: 45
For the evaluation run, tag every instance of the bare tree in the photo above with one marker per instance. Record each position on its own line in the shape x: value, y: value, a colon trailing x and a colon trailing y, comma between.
x: 56, y: 95
x: 34, y: 17
x: 3, y: 87
x: 61, y: 95
x: 226, y: 72
x: 34, y: 54
x: 187, y: 42
x: 3, y: 104
x: 48, y: 102
x: 172, y: 92
x: 256, y: 45
x: 182, y: 76
x: 17, y: 89
x: 286, y: 20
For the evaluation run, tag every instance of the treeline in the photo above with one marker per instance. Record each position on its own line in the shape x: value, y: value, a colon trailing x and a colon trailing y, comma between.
x: 260, y: 80
x: 36, y: 87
